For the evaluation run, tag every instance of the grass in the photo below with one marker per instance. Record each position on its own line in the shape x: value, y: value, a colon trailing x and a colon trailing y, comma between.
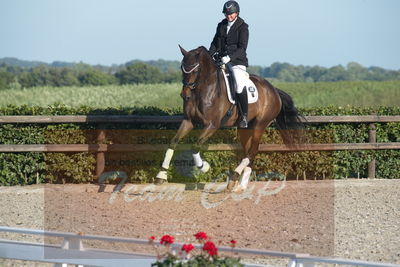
x: 358, y: 93
x: 161, y: 95
x: 354, y: 93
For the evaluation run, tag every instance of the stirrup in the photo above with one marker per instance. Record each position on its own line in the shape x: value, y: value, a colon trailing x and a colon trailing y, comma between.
x: 243, y: 122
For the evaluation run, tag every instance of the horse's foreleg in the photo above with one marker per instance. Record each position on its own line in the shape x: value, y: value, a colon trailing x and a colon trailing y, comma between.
x: 245, y: 136
x: 184, y: 129
x: 203, y: 165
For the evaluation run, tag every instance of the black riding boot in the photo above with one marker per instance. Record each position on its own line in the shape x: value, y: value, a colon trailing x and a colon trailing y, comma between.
x: 243, y: 107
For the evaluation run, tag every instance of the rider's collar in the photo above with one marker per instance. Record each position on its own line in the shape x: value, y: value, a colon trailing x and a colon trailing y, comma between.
x: 230, y: 23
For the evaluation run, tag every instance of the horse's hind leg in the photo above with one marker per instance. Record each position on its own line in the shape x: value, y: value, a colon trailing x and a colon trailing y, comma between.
x: 245, y: 136
x: 250, y: 140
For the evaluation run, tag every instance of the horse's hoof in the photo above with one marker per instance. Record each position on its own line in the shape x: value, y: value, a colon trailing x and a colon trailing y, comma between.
x: 238, y: 189
x: 159, y: 181
x: 231, y: 185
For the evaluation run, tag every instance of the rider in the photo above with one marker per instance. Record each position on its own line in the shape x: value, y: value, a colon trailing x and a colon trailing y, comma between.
x: 230, y: 41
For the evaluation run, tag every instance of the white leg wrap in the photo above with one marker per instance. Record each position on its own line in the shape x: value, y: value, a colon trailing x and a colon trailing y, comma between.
x: 245, y: 162
x: 162, y: 175
x: 206, y: 167
x: 167, y: 159
x: 197, y: 160
x: 244, y: 181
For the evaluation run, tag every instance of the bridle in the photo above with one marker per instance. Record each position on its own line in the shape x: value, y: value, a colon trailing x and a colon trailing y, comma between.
x: 190, y: 83
x: 191, y: 78
x: 195, y: 69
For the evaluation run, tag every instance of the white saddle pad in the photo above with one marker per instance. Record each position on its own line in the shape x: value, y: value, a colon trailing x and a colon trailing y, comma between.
x: 252, y: 92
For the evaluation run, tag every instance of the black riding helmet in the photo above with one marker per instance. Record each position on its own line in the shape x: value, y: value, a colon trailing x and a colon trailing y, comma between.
x: 231, y: 7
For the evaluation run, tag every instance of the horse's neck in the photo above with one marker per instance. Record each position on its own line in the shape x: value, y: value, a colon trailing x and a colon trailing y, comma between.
x: 220, y: 85
x: 212, y: 82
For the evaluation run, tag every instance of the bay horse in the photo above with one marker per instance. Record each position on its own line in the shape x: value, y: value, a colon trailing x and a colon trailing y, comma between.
x: 205, y: 101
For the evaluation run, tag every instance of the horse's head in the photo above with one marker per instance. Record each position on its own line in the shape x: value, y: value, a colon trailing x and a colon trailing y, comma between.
x: 193, y: 62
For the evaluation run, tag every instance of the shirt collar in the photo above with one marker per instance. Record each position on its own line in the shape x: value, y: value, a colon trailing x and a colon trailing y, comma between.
x: 230, y: 23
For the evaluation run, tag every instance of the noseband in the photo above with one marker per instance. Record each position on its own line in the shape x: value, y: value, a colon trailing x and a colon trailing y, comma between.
x: 196, y: 69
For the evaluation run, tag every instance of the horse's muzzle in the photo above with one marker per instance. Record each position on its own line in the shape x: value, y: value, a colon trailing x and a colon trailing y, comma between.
x: 185, y: 94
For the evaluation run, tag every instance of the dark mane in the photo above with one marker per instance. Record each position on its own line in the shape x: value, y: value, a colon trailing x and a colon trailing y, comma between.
x: 204, y: 51
x: 203, y: 48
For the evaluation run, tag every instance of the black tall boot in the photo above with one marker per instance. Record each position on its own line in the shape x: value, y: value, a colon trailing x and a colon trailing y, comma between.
x: 243, y: 107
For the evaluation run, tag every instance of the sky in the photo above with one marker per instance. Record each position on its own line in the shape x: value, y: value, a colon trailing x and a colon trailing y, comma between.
x: 300, y: 32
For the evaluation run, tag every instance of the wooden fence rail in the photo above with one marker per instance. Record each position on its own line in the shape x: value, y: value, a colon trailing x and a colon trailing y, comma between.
x: 176, y: 119
x: 101, y: 149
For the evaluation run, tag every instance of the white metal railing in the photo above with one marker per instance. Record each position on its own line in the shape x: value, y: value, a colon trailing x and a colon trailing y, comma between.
x: 71, y: 251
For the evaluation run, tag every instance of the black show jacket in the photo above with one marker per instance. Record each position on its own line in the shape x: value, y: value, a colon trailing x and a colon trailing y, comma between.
x: 233, y: 44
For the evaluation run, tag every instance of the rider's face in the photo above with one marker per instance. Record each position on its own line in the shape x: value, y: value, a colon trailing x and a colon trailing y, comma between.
x: 231, y: 17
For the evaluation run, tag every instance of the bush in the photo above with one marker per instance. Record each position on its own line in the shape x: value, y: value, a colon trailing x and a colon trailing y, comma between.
x: 28, y: 168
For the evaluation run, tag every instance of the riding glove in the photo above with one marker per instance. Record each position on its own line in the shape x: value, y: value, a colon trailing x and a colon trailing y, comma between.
x: 225, y: 59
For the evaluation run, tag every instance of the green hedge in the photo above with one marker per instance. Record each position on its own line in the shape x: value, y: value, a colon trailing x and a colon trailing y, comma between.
x: 29, y: 168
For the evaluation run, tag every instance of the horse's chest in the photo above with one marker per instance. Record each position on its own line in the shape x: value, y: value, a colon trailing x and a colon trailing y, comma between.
x: 190, y: 110
x: 196, y: 113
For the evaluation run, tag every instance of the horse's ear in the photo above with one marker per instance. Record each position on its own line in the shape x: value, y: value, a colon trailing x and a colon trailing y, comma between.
x: 183, y: 51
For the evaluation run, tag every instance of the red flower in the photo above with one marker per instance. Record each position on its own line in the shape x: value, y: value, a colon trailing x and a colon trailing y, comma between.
x: 167, y: 240
x: 151, y: 240
x: 187, y: 247
x: 201, y: 236
x: 211, y: 249
x: 233, y: 243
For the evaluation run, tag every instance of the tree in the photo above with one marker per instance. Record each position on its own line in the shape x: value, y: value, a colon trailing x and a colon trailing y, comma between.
x: 336, y: 73
x: 291, y: 73
x: 6, y: 79
x: 256, y: 70
x: 315, y: 73
x: 356, y: 71
x: 139, y: 73
x: 172, y: 76
x: 63, y: 77
x: 37, y: 76
x: 274, y: 69
x: 95, y: 77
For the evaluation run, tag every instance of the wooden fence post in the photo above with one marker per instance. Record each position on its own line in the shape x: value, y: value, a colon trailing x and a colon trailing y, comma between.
x: 372, y: 139
x: 100, y: 156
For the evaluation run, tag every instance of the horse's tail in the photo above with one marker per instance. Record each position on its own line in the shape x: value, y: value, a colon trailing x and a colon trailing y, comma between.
x: 289, y: 121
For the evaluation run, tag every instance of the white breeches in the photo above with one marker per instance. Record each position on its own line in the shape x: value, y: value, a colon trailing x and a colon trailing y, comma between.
x: 241, y: 76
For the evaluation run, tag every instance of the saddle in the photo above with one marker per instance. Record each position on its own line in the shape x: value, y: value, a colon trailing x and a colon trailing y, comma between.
x: 230, y: 81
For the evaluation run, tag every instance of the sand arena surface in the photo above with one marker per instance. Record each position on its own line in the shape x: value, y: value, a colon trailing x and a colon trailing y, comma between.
x: 356, y: 219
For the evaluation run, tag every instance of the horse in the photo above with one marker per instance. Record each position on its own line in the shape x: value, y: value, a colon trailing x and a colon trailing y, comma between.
x: 205, y: 102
